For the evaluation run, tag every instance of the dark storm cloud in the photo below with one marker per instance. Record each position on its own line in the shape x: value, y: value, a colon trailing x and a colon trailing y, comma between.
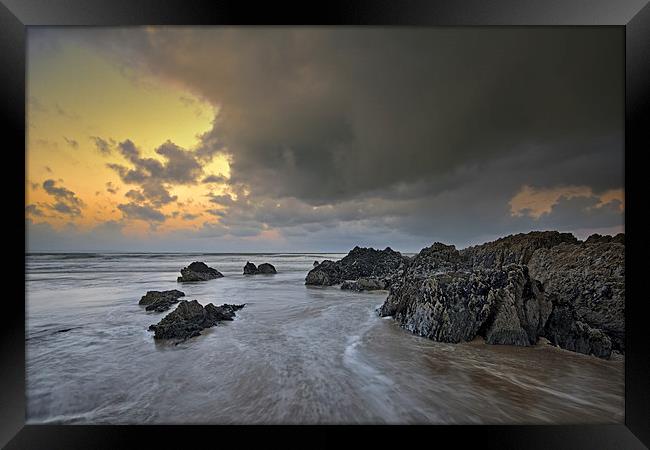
x: 326, y: 114
x: 66, y: 201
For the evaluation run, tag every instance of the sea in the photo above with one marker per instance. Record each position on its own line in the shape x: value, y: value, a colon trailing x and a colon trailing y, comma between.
x: 294, y: 354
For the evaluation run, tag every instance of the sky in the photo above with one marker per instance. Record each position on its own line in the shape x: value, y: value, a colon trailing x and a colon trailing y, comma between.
x: 254, y: 139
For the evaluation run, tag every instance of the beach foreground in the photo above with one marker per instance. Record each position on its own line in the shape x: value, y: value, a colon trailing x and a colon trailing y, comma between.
x: 294, y: 354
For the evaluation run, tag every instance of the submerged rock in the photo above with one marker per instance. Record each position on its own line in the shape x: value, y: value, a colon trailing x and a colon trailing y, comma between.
x: 198, y: 271
x: 360, y: 262
x: 160, y: 300
x: 364, y: 284
x: 586, y: 284
x: 264, y: 268
x: 189, y: 318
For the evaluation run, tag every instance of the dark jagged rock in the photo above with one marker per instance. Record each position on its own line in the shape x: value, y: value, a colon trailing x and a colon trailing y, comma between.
x: 516, y: 290
x: 439, y: 298
x: 566, y: 331
x: 599, y: 239
x: 315, y: 263
x: 250, y: 268
x: 264, y: 268
x: 189, y: 318
x: 198, y: 271
x: 360, y: 262
x: 513, y: 249
x: 160, y: 301
x: 364, y: 284
x: 586, y: 284
x: 436, y: 259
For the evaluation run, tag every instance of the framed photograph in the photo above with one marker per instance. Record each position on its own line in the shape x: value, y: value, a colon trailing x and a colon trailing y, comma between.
x: 412, y: 220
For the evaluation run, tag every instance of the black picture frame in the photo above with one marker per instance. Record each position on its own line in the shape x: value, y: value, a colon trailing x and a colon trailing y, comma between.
x: 16, y: 15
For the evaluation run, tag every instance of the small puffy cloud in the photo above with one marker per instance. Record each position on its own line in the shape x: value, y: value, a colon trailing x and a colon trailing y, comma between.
x: 66, y: 201
x: 214, y: 179
x: 111, y: 188
x: 72, y: 143
x: 103, y: 146
x: 135, y: 196
x: 34, y: 210
x: 141, y: 212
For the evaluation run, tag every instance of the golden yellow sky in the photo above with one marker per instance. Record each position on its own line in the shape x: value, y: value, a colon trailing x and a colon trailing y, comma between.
x: 78, y: 95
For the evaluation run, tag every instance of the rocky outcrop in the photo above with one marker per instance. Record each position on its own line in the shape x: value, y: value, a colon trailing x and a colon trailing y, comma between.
x: 360, y: 262
x: 250, y: 268
x: 440, y: 298
x: 264, y: 268
x: 160, y: 301
x: 364, y: 284
x: 586, y: 284
x: 198, y: 271
x: 513, y: 249
x: 600, y: 239
x: 516, y: 290
x: 189, y: 318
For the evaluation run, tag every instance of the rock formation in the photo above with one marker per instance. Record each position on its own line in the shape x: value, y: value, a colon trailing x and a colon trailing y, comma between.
x: 360, y: 262
x: 160, y: 301
x: 586, y: 284
x: 264, y: 268
x: 513, y: 249
x: 515, y: 290
x: 364, y: 284
x: 189, y: 318
x: 198, y: 271
x: 250, y: 268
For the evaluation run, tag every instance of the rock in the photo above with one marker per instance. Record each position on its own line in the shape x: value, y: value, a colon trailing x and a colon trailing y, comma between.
x: 441, y: 299
x: 326, y: 273
x: 264, y: 268
x: 360, y: 262
x: 521, y: 310
x: 599, y: 239
x: 189, y: 318
x: 316, y: 263
x: 364, y: 284
x: 566, y: 331
x: 586, y: 284
x: 436, y: 259
x: 198, y: 271
x: 160, y: 300
x: 513, y: 249
x: 250, y: 268
x: 514, y: 290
